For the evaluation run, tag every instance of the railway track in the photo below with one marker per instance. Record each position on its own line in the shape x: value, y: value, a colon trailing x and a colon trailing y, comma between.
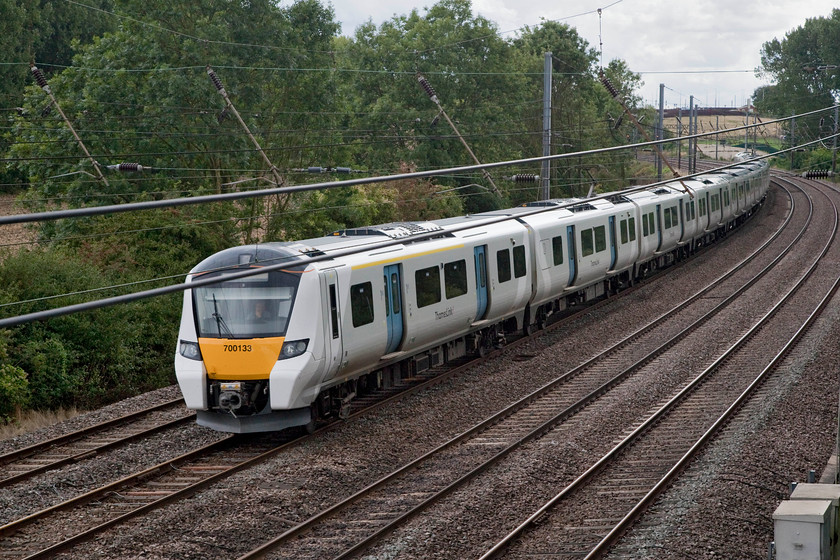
x: 22, y: 464
x: 356, y: 523
x: 145, y: 491
x: 631, y: 475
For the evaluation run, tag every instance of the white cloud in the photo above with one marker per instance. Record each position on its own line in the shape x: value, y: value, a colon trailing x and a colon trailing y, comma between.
x: 690, y: 40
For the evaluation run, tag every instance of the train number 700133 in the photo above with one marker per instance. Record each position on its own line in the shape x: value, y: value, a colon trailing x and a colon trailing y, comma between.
x: 238, y: 348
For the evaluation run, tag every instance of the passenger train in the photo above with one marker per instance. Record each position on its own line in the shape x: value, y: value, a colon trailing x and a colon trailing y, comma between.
x: 331, y: 318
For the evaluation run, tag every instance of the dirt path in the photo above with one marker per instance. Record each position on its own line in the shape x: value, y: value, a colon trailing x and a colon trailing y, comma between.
x: 16, y: 236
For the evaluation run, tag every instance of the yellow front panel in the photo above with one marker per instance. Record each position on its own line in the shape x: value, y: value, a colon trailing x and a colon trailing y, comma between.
x: 240, y: 359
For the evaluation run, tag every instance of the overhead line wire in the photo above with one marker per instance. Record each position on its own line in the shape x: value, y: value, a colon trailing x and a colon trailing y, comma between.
x: 305, y: 260
x: 99, y: 210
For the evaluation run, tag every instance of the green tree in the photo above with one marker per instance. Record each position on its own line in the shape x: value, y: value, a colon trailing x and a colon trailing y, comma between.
x: 471, y: 69
x: 170, y: 113
x: 803, y: 67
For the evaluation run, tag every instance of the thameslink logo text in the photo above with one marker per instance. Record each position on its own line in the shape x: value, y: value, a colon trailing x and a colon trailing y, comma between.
x: 448, y: 312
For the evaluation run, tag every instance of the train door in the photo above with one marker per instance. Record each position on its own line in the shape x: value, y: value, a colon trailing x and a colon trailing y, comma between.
x: 570, y: 241
x: 332, y: 319
x: 393, y: 307
x: 683, y: 211
x: 613, y: 252
x: 480, y: 256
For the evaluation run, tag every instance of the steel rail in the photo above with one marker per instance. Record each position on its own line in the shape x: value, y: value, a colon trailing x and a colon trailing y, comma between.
x: 308, y: 524
x: 661, y: 412
x: 633, y: 515
x: 84, y: 432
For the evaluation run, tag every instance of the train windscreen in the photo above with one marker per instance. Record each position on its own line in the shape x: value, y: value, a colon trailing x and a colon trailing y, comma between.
x: 257, y: 306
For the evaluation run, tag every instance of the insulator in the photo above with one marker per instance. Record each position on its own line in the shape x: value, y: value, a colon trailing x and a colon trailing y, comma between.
x: 424, y: 83
x: 39, y: 78
x: 818, y: 174
x: 619, y: 121
x: 525, y: 178
x: 215, y: 79
x: 45, y: 112
x: 435, y: 121
x: 314, y: 169
x: 127, y: 167
x: 342, y: 170
x: 608, y: 85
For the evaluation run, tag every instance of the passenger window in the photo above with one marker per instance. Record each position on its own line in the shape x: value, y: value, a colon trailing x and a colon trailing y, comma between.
x: 557, y: 249
x: 395, y: 293
x: 503, y: 265
x: 427, y: 281
x: 455, y: 278
x: 651, y: 223
x: 632, y: 228
x: 623, y: 231
x: 702, y: 206
x: 519, y: 268
x: 587, y: 247
x: 600, y: 239
x: 361, y: 304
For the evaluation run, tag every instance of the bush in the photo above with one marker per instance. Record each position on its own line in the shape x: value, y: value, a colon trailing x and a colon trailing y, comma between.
x: 14, y: 392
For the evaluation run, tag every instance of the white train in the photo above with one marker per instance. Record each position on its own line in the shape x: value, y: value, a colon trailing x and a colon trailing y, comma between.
x: 289, y: 347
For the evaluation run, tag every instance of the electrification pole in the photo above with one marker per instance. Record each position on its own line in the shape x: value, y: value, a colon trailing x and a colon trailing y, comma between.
x: 834, y: 144
x: 660, y: 129
x: 546, y: 164
x: 679, y: 135
x: 747, y: 130
x: 692, y: 127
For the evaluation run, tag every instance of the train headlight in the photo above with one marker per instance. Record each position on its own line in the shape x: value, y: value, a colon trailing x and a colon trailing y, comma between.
x: 190, y: 350
x: 293, y: 349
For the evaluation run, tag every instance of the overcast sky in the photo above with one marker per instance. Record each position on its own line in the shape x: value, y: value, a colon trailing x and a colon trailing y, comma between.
x: 681, y: 44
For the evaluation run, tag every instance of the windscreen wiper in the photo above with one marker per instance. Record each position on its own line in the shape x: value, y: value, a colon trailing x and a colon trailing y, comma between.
x: 220, y: 322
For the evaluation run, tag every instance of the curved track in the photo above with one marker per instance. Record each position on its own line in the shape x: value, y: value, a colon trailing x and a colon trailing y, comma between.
x: 385, y: 505
x: 631, y: 475
x: 148, y: 490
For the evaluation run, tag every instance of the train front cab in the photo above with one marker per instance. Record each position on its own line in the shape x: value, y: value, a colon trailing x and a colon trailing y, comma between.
x: 234, y: 343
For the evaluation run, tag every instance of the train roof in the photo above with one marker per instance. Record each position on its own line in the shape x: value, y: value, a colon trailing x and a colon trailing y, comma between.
x: 248, y: 255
